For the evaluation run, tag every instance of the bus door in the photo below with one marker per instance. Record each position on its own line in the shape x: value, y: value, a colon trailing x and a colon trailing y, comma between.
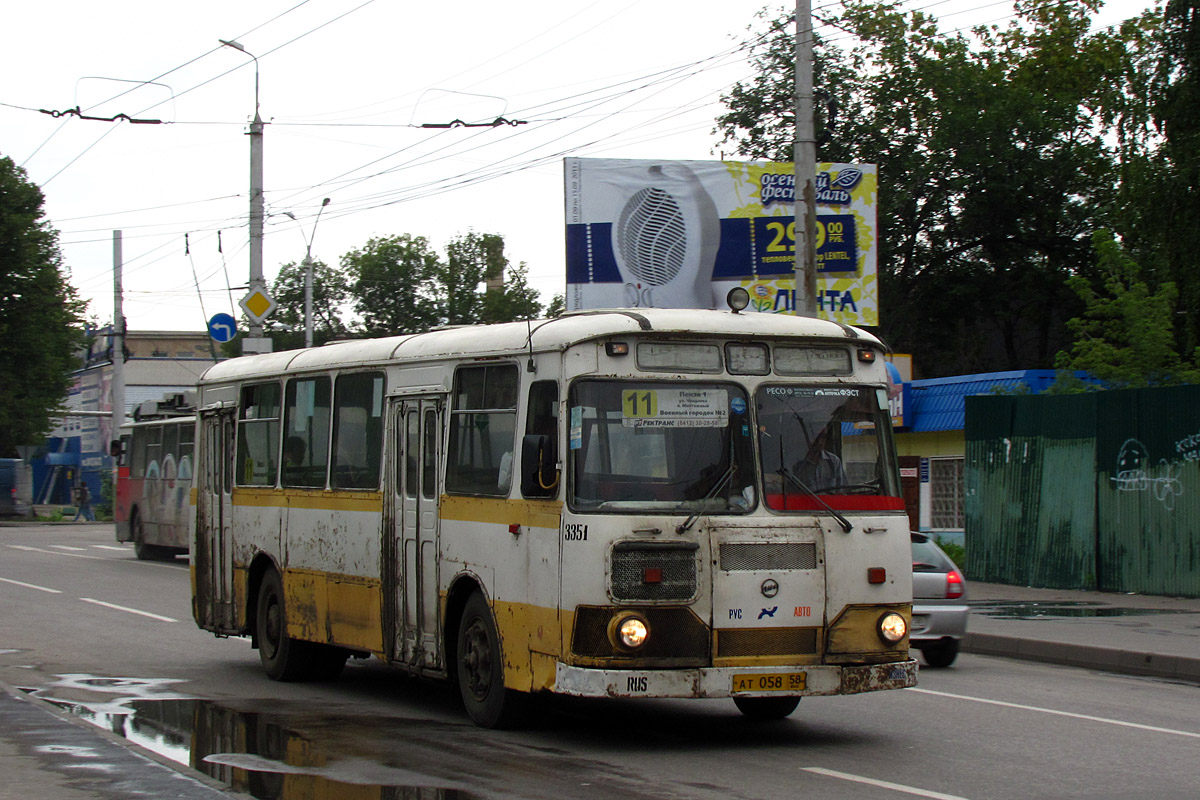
x: 213, y: 553
x: 416, y: 439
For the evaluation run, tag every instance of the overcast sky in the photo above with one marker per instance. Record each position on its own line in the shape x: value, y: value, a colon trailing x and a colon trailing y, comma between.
x: 345, y: 86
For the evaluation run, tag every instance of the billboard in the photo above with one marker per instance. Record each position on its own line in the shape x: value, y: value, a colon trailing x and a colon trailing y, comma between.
x: 681, y: 234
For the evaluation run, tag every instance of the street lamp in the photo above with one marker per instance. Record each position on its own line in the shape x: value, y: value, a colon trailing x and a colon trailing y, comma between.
x: 255, y: 340
x: 308, y: 274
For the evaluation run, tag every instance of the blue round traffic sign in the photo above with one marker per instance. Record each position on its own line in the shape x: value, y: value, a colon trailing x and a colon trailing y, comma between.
x: 222, y: 327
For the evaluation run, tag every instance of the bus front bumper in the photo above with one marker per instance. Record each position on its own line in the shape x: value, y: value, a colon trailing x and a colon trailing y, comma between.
x: 735, y: 681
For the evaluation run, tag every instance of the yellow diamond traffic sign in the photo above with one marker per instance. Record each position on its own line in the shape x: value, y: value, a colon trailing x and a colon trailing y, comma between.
x: 258, y: 305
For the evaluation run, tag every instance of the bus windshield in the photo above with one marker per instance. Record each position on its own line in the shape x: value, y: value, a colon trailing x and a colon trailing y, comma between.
x: 824, y: 440
x: 657, y: 446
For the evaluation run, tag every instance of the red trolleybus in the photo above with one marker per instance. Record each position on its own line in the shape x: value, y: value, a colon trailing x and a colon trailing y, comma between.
x: 154, y: 483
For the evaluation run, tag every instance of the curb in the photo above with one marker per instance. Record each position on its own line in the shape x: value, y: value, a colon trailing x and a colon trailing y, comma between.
x: 1105, y: 659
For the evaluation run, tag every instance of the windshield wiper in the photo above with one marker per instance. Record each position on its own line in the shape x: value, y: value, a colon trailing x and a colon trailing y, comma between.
x: 787, y: 475
x: 710, y: 494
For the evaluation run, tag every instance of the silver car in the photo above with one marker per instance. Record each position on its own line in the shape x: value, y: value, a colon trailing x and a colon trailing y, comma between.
x: 939, y: 619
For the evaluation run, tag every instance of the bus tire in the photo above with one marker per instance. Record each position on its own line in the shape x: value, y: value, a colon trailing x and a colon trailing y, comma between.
x: 480, y: 669
x: 941, y: 654
x: 283, y: 658
x: 766, y: 708
x: 144, y: 552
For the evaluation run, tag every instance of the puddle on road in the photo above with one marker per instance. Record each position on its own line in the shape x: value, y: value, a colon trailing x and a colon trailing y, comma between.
x: 251, y: 752
x: 1060, y: 610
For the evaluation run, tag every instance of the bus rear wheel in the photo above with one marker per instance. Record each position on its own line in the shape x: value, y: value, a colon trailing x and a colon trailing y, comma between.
x: 145, y: 552
x: 766, y: 708
x: 283, y: 658
x: 480, y: 670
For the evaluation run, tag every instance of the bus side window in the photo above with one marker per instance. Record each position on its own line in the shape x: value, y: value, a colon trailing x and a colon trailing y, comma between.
x: 358, y: 431
x: 539, y: 449
x: 258, y: 435
x: 482, y: 430
x: 306, y: 432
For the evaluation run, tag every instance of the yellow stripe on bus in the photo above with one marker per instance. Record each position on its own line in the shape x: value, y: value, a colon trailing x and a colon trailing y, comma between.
x: 308, y: 498
x: 531, y: 513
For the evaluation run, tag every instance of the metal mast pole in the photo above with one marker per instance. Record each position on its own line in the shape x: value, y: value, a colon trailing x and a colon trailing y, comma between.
x: 117, y: 396
x: 806, y: 166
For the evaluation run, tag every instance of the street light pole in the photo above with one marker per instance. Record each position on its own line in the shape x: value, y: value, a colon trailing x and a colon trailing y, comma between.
x: 255, y: 334
x: 308, y: 279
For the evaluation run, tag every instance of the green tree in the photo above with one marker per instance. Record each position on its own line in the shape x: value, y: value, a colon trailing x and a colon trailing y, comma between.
x: 994, y: 168
x: 472, y: 260
x: 516, y: 300
x: 392, y: 284
x: 329, y: 295
x: 41, y: 317
x: 1125, y: 336
x: 1173, y: 210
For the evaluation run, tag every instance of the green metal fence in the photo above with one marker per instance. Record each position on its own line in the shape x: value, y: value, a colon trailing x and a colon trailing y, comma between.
x: 1094, y: 491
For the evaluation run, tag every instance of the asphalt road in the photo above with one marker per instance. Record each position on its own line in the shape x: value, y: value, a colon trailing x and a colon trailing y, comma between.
x: 86, y: 626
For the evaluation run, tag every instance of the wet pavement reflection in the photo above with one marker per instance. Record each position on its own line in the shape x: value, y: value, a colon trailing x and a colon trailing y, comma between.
x: 1059, y: 610
x: 253, y: 752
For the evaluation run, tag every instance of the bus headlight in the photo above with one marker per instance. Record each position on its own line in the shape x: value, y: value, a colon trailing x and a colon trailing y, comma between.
x: 892, y: 627
x: 629, y: 631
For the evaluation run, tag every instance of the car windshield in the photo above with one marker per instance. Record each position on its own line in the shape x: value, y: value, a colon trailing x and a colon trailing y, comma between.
x: 657, y: 446
x: 828, y: 441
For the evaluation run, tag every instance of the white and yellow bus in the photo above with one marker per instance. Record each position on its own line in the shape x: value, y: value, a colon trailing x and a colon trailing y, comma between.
x: 626, y: 503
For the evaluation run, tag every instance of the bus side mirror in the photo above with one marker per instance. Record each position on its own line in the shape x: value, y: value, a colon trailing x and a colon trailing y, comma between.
x: 114, y: 448
x: 539, y: 478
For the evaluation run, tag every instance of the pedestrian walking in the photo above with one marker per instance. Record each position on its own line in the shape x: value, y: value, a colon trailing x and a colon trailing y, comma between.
x: 83, y: 503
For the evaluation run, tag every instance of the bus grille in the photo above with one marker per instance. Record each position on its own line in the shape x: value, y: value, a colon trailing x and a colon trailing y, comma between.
x: 652, y: 572
x: 733, y: 642
x: 675, y: 633
x: 747, y: 556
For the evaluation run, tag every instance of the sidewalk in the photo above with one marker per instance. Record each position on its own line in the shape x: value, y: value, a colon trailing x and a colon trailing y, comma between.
x: 45, y: 753
x: 1126, y: 633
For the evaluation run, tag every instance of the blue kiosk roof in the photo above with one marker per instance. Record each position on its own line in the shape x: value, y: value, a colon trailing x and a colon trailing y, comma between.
x: 938, y: 404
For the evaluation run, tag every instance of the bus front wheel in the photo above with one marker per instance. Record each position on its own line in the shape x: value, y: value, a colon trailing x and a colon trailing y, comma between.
x: 283, y: 658
x: 766, y: 708
x: 481, y: 670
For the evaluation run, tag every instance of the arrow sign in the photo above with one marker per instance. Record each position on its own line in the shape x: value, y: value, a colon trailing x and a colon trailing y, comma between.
x: 222, y: 327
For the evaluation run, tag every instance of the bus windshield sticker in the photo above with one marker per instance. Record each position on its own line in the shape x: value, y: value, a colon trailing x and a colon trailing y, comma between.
x: 675, y: 408
x: 576, y: 427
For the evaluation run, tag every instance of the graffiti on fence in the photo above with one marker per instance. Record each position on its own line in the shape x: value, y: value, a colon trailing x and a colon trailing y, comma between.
x: 1134, y: 474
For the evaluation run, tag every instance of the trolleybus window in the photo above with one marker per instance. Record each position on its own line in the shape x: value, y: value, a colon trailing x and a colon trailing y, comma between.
x: 482, y: 430
x: 258, y: 435
x: 306, y: 432
x: 823, y: 441
x: 664, y: 447
x: 358, y: 431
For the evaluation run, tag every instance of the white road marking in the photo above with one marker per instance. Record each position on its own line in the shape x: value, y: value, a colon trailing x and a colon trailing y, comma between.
x: 93, y: 558
x: 31, y: 586
x: 1070, y: 714
x: 896, y: 787
x: 125, y: 608
x: 69, y: 547
x: 111, y: 547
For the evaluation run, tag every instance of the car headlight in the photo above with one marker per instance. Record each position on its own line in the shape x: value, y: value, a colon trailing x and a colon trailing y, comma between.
x: 892, y: 627
x: 629, y: 631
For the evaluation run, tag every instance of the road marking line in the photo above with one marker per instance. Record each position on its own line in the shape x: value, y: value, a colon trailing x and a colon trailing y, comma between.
x: 69, y: 547
x: 130, y: 610
x: 1070, y: 714
x: 898, y: 787
x: 111, y: 547
x: 31, y: 586
x: 93, y: 558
